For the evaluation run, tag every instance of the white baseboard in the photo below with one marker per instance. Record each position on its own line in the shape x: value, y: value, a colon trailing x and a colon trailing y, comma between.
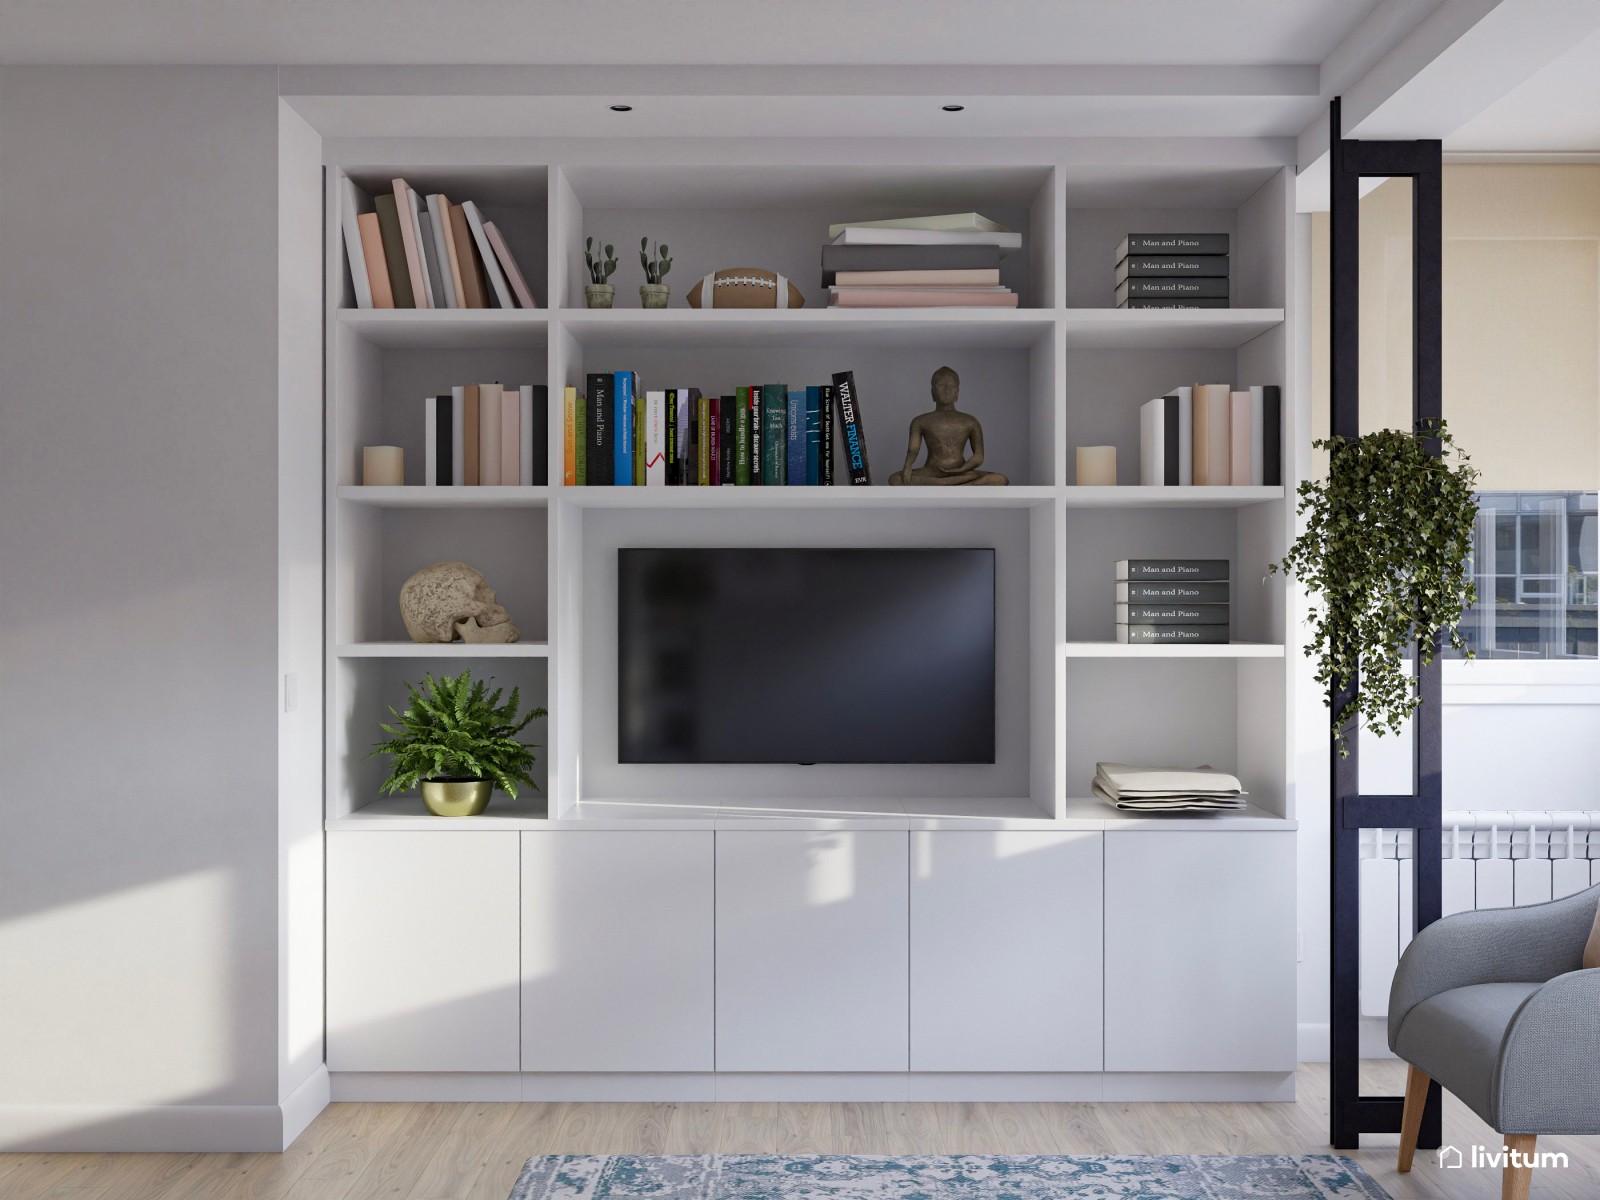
x: 733, y: 1087
x: 301, y: 1106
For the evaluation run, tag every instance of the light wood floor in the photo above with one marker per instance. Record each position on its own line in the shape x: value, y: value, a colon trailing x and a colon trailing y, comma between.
x: 474, y: 1151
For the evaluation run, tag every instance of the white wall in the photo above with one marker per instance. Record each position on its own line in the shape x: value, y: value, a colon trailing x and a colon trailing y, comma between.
x: 139, y: 608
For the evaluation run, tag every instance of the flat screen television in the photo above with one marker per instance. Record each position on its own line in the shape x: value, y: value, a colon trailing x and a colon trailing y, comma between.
x: 805, y: 656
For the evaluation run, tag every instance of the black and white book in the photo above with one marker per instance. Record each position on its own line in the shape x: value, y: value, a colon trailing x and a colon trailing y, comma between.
x: 1163, y: 287
x: 1138, y: 265
x: 1172, y: 243
x: 1171, y: 593
x: 1197, y: 302
x: 1192, y: 570
x: 1172, y: 614
x: 851, y: 433
x: 1173, y: 635
x: 1166, y: 451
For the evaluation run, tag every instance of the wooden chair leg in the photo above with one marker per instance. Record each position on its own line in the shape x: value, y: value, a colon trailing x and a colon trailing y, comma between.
x: 1518, y: 1176
x: 1411, y: 1117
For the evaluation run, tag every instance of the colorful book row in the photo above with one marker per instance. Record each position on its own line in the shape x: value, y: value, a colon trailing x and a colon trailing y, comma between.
x: 482, y: 434
x: 1211, y: 434
x: 406, y: 251
x: 617, y: 434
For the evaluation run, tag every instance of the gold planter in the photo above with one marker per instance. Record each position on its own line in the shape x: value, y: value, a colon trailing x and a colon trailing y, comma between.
x: 457, y: 798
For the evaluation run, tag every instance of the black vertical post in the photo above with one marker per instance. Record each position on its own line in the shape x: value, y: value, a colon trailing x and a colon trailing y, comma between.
x: 1350, y: 1113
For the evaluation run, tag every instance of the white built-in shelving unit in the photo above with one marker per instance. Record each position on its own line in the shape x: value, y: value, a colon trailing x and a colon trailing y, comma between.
x: 1061, y: 370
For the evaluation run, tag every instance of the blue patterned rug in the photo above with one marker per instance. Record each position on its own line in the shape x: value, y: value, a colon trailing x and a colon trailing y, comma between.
x: 943, y: 1177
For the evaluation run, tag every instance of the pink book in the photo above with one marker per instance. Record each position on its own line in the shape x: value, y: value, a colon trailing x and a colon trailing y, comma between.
x: 511, y: 437
x: 514, y: 276
x: 488, y: 434
x: 966, y: 277
x: 1239, y: 439
x: 920, y: 298
x: 408, y: 238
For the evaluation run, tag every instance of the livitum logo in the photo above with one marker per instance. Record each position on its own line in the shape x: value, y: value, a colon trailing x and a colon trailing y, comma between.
x: 1486, y: 1158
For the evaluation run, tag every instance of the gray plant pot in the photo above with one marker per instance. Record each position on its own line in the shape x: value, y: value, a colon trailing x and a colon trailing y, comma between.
x: 654, y: 295
x: 599, y: 295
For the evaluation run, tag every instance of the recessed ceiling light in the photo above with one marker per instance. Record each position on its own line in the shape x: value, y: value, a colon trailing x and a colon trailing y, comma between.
x: 622, y: 108
x: 955, y: 108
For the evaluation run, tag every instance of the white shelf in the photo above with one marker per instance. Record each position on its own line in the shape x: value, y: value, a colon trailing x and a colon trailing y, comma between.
x: 443, y: 650
x: 983, y: 328
x: 1136, y: 496
x: 876, y: 497
x: 446, y: 497
x: 447, y: 328
x: 1090, y: 808
x: 1127, y: 650
x: 1166, y: 328
x: 408, y: 813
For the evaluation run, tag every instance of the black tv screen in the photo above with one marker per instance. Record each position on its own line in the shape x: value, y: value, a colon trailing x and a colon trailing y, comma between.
x: 805, y: 656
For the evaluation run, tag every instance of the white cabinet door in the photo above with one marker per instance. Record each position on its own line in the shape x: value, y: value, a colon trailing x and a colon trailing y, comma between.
x: 617, y: 950
x: 1200, y: 933
x: 422, y: 951
x: 811, y: 951
x: 1006, y: 951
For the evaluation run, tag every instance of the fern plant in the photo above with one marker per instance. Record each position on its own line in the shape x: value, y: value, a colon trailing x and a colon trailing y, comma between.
x: 455, y: 729
x: 1386, y: 545
x: 656, y: 268
x: 600, y: 265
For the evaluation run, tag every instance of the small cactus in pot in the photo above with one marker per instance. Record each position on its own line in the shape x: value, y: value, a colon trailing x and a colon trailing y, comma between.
x: 653, y: 293
x: 602, y: 261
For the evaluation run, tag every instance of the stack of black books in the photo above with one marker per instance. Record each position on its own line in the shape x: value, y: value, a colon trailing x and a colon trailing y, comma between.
x: 1172, y: 270
x: 1172, y: 601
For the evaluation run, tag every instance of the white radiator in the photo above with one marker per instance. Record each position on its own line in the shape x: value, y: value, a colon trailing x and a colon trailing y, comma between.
x: 1491, y: 860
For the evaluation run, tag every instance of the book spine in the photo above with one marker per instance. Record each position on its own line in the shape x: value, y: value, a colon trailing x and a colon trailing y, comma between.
x: 472, y: 472
x: 794, y: 467
x: 1272, y: 436
x: 569, y: 437
x: 640, y: 442
x: 439, y: 227
x: 1202, y: 635
x: 458, y: 436
x: 408, y: 243
x: 741, y: 437
x: 669, y: 436
x: 1213, y: 266
x: 756, y: 457
x: 1152, y: 443
x: 1158, y: 287
x: 691, y: 451
x: 622, y: 428
x: 655, y: 432
x: 601, y: 452
x: 727, y: 425
x: 813, y: 434
x: 394, y: 251
x: 1257, y: 436
x: 1200, y: 302
x: 1194, y: 570
x: 826, y: 416
x: 377, y: 264
x: 474, y: 286
x: 703, y: 442
x: 854, y: 436
x: 1169, y: 441
x: 1239, y: 438
x: 1172, y: 614
x: 446, y: 438
x: 1172, y: 593
x: 1185, y: 435
x: 1173, y: 243
x: 349, y: 224
x: 430, y: 440
x: 510, y: 437
x: 489, y: 434
x: 539, y: 410
x: 1210, y: 434
x: 774, y: 400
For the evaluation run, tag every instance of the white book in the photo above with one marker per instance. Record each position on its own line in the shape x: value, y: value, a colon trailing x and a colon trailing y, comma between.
x: 1258, y: 444
x: 491, y: 264
x: 1185, y: 435
x: 1152, y: 442
x: 866, y: 235
x: 351, y: 203
x: 655, y: 438
x: 439, y: 218
x: 430, y: 441
x: 967, y: 222
x: 424, y: 247
x: 525, y: 431
x: 458, y: 436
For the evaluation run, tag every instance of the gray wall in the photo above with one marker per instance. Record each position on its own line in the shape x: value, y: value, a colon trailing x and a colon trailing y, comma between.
x: 138, y: 593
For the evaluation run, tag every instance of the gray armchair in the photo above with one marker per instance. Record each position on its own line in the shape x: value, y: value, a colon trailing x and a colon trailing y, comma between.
x: 1496, y: 1007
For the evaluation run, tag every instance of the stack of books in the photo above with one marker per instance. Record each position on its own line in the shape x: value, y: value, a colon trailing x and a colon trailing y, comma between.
x: 485, y: 435
x: 1172, y: 270
x: 617, y: 434
x: 1167, y: 789
x: 1172, y: 601
x: 1212, y: 434
x: 410, y: 251
x: 949, y: 261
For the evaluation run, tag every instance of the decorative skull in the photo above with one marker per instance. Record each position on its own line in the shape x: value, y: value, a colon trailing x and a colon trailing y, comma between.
x: 447, y: 600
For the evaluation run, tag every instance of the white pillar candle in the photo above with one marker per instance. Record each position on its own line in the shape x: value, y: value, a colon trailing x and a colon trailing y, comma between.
x: 1097, y: 466
x: 383, y: 466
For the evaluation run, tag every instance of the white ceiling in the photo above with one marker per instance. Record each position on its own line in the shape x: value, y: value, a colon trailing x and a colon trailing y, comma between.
x: 1557, y: 110
x: 1247, y: 32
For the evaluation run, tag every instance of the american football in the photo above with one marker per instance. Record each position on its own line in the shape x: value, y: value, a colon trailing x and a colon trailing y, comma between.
x: 745, y: 287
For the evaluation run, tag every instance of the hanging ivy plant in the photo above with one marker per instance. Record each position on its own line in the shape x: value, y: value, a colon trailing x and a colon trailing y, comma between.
x: 1386, y: 546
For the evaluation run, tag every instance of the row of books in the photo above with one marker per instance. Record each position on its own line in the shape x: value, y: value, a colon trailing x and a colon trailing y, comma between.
x: 407, y: 251
x: 1172, y: 601
x: 761, y: 435
x: 946, y: 261
x: 483, y: 434
x: 1212, y: 434
x: 1172, y: 270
